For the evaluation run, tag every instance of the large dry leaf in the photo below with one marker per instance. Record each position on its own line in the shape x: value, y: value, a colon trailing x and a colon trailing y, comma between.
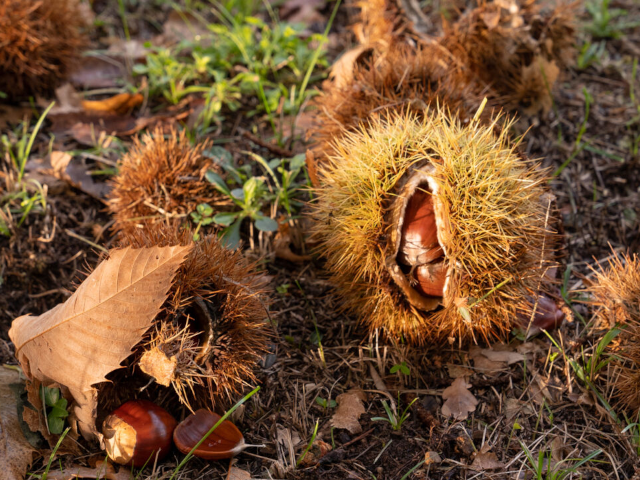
x: 460, y: 402
x: 349, y: 409
x: 77, y: 343
x: 15, y: 452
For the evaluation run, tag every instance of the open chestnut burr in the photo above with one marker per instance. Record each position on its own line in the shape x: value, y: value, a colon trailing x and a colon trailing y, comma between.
x: 437, y: 228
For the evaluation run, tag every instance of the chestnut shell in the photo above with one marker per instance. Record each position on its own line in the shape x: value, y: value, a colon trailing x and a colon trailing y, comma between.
x: 136, y: 430
x: 225, y: 441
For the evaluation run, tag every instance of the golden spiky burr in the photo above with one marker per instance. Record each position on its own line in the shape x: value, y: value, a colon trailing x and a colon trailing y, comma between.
x: 435, y: 228
x: 40, y: 41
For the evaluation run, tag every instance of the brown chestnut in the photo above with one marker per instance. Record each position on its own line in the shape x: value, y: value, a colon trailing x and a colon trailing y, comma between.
x: 136, y: 431
x: 547, y: 316
x: 225, y: 441
x: 419, y: 243
x: 431, y: 279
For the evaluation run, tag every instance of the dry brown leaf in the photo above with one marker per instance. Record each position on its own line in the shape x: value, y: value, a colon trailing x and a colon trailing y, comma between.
x: 118, y: 104
x: 456, y: 371
x: 181, y: 26
x: 342, y: 70
x: 156, y: 364
x: 491, y: 18
x: 236, y: 473
x: 302, y: 11
x: 99, y: 72
x: 459, y: 401
x: 76, y: 175
x: 513, y: 407
x: 506, y: 356
x: 16, y: 454
x: 486, y: 461
x: 282, y: 244
x: 493, y: 360
x: 80, y: 341
x: 349, y: 409
x: 431, y: 458
x: 103, y: 471
x: 70, y: 101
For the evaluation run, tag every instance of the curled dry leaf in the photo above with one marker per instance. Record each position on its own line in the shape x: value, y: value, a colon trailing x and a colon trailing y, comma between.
x: 486, y: 461
x: 73, y: 172
x: 350, y: 408
x: 342, y: 70
x: 491, y: 360
x: 156, y: 364
x: 431, y: 458
x: 16, y: 454
x: 236, y: 473
x: 459, y: 401
x: 78, y: 342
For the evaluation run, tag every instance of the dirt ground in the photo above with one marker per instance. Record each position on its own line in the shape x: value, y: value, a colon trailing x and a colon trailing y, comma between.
x: 537, y: 405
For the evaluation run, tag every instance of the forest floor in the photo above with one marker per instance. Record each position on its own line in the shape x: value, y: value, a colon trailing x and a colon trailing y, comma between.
x: 535, y: 417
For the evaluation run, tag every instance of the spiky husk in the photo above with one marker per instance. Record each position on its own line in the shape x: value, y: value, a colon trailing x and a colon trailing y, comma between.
x: 616, y: 293
x: 380, y: 22
x: 517, y: 52
x: 399, y: 78
x: 229, y: 286
x: 494, y: 224
x: 40, y: 41
x: 161, y: 180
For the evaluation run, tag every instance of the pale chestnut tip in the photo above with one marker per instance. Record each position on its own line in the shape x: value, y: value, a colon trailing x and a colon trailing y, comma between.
x: 137, y: 432
x: 225, y: 441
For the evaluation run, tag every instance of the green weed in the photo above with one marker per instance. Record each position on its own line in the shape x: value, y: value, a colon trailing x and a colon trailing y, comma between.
x: 252, y: 194
x: 56, y: 407
x: 20, y: 197
x: 605, y: 21
x: 590, y: 54
x: 542, y: 469
x: 326, y: 402
x: 310, y: 444
x: 393, y: 417
x: 242, y: 56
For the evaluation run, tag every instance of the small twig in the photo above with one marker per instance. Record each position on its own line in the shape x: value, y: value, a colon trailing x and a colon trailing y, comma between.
x: 85, y: 240
x: 282, y: 152
x: 358, y: 438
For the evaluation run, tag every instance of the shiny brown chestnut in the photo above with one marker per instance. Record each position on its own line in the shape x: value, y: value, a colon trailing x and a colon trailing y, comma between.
x: 419, y: 243
x: 225, y: 441
x: 431, y: 279
x: 137, y: 431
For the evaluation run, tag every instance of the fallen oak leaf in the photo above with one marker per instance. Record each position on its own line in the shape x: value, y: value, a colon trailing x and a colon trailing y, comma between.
x: 459, y: 401
x: 78, y: 342
x: 16, y: 454
x: 349, y: 409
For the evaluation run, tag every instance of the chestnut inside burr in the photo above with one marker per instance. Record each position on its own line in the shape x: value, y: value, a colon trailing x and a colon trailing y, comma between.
x: 420, y: 256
